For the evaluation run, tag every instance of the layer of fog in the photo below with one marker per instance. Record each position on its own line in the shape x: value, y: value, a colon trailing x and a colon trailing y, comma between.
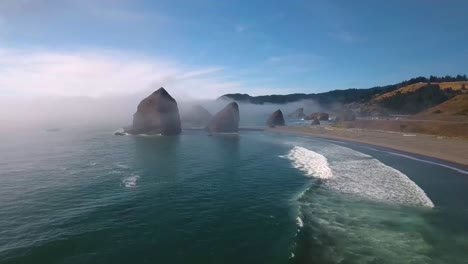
x: 117, y: 111
x: 254, y: 115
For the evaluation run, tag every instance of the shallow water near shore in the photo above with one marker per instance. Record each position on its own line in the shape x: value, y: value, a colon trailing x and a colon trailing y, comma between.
x: 91, y: 197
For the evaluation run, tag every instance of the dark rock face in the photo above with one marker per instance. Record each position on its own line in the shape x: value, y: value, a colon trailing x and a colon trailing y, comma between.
x: 196, y: 116
x: 276, y: 119
x: 322, y: 116
x: 226, y: 120
x: 157, y: 114
x: 315, y: 122
x: 299, y: 113
x: 346, y: 115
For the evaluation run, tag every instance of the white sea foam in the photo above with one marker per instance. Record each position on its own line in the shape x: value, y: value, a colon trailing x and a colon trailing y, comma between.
x: 299, y: 222
x: 366, y: 231
x: 352, y: 172
x: 149, y: 135
x: 122, y: 166
x: 339, y: 208
x: 130, y: 181
x: 310, y: 162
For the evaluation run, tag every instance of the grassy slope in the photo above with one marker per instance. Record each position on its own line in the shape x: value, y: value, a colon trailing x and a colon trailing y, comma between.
x: 455, y: 109
x: 431, y: 127
x: 416, y: 86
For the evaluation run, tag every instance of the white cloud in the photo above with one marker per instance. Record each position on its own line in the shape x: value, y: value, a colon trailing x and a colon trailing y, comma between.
x: 203, y: 72
x: 100, y: 73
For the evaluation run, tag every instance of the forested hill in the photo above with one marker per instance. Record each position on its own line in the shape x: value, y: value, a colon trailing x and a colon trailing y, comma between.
x: 358, y: 95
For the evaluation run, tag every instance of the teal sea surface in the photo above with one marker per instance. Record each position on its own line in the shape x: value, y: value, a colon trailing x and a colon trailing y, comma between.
x: 87, y: 196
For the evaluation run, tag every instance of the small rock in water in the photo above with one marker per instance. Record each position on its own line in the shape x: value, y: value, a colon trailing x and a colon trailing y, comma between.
x: 276, y: 119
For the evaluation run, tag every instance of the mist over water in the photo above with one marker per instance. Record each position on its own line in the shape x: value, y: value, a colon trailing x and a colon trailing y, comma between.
x: 19, y: 113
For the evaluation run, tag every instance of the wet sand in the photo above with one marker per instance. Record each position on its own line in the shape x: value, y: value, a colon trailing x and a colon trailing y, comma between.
x: 449, y: 149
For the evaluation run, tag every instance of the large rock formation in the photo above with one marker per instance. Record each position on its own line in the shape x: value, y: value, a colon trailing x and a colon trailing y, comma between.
x: 156, y: 114
x: 346, y: 115
x: 196, y: 116
x: 321, y: 116
x: 276, y: 119
x: 299, y: 113
x: 226, y: 120
x: 315, y: 122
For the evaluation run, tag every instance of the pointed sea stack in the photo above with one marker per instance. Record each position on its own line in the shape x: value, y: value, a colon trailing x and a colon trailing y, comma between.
x: 276, y: 119
x: 196, y: 116
x: 157, y: 114
x: 226, y: 120
x: 299, y: 113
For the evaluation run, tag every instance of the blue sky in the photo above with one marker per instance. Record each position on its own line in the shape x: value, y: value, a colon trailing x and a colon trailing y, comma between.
x: 206, y: 48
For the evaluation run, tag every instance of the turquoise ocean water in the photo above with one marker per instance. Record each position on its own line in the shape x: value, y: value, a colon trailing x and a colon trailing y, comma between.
x: 87, y: 196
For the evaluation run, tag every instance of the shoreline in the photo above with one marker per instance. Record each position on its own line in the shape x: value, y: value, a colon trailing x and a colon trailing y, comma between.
x: 451, y: 150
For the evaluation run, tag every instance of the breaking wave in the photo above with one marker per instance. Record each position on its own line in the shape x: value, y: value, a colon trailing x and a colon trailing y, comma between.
x: 351, y: 172
x: 130, y: 181
x: 310, y: 162
x: 353, y: 213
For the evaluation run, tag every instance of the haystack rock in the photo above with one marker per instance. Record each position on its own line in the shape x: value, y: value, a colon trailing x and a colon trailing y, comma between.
x: 196, y: 116
x: 226, y: 120
x: 346, y: 115
x: 299, y: 113
x: 276, y: 119
x: 321, y: 116
x: 157, y: 114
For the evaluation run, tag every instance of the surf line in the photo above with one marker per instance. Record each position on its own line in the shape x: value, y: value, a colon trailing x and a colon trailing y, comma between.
x: 422, y: 160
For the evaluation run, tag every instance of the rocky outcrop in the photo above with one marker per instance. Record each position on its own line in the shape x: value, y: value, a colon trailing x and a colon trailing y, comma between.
x: 346, y: 115
x: 322, y: 116
x: 226, y: 120
x: 315, y: 122
x: 156, y: 114
x: 196, y: 116
x: 299, y: 113
x: 276, y: 119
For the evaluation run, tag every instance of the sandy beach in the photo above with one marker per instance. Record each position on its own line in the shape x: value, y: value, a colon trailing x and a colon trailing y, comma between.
x: 449, y: 149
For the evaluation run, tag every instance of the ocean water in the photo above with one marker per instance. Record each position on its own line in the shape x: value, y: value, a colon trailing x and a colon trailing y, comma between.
x: 87, y: 196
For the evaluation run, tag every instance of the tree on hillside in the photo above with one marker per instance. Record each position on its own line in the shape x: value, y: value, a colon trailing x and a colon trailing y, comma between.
x: 418, y: 100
